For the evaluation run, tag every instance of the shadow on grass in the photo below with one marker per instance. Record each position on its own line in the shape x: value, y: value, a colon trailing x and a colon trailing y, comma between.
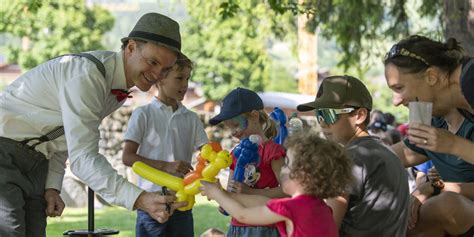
x: 205, y: 216
x: 105, y: 218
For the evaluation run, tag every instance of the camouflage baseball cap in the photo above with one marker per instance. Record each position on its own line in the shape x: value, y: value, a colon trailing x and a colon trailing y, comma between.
x: 337, y: 92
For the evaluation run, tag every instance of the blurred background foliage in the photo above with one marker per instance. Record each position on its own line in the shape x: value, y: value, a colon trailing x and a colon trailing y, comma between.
x: 52, y: 28
x: 247, y: 43
x: 233, y: 52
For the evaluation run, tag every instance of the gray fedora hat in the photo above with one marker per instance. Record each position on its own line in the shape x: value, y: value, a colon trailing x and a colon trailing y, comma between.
x: 157, y: 28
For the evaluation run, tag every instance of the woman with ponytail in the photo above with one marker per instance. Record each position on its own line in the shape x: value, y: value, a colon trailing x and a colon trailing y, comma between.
x: 421, y: 69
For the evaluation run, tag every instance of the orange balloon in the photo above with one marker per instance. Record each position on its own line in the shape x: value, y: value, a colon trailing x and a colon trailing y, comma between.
x: 200, y: 165
x: 189, y: 178
x: 216, y: 146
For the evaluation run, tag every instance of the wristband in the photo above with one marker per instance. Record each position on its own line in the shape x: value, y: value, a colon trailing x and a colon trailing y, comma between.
x: 437, y: 186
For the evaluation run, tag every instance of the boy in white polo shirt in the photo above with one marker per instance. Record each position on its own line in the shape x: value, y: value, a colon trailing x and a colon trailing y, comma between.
x: 164, y: 134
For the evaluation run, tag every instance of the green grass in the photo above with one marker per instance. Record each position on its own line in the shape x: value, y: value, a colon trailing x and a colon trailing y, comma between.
x: 205, y: 216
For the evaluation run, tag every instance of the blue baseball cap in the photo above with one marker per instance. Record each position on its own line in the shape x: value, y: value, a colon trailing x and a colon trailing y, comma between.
x: 237, y: 102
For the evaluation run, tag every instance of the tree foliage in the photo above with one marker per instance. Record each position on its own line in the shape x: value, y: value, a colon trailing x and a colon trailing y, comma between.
x: 52, y: 28
x: 232, y: 52
x: 356, y: 25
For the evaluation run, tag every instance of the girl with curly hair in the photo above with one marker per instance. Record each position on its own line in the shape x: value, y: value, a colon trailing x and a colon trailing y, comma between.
x: 314, y: 169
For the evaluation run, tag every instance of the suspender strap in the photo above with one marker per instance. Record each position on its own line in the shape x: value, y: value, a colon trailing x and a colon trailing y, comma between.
x: 91, y: 57
x: 59, y: 131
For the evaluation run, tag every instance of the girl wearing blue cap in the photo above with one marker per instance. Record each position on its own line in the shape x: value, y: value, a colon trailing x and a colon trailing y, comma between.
x: 242, y: 112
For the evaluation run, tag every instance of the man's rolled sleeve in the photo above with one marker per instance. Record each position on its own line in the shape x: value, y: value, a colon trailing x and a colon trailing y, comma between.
x: 128, y: 195
x: 56, y: 170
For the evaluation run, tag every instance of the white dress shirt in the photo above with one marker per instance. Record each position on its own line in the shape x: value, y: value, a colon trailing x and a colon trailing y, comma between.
x: 165, y: 135
x: 70, y: 91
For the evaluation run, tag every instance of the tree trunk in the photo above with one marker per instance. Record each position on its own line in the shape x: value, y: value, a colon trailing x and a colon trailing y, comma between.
x: 307, y: 58
x: 459, y: 18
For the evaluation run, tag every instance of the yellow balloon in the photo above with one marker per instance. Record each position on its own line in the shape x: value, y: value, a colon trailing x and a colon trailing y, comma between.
x: 157, y: 176
x: 217, y: 161
x: 181, y: 196
x: 225, y: 155
x: 191, y: 202
x: 193, y: 188
x: 206, y: 151
x: 210, y: 180
x: 210, y: 171
x: 212, y: 157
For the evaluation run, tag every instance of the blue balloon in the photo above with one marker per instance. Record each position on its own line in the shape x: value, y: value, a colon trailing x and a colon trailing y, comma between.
x: 280, y: 117
x: 246, y: 152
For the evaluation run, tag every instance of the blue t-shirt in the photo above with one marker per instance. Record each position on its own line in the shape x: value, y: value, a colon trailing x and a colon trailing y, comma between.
x: 425, y: 167
x: 450, y: 167
x: 467, y: 80
x: 467, y: 85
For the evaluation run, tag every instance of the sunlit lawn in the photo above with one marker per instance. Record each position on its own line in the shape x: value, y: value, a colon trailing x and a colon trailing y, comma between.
x: 205, y: 216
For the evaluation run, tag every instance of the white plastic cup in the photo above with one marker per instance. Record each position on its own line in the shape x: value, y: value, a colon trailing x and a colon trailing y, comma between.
x: 420, y: 112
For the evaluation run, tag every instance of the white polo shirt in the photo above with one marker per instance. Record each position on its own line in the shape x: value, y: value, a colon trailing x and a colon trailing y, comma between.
x: 164, y: 135
x: 70, y: 91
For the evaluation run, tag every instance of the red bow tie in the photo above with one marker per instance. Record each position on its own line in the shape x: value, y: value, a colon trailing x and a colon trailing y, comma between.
x: 121, y: 94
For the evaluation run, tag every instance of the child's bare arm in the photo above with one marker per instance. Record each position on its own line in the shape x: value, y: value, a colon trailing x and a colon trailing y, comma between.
x: 254, y: 211
x: 130, y: 156
x: 249, y: 200
x: 339, y: 208
x: 276, y: 192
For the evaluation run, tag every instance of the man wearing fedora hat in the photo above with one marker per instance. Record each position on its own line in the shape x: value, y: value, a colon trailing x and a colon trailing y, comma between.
x: 376, y: 203
x: 52, y: 113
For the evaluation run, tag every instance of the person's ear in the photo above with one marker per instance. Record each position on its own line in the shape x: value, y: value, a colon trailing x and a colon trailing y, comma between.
x: 361, y: 115
x: 433, y: 76
x: 131, y: 46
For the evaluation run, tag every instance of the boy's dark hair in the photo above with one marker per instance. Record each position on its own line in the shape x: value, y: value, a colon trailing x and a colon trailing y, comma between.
x: 184, y: 62
x: 395, y: 135
x: 416, y: 53
x: 321, y: 166
x: 390, y: 118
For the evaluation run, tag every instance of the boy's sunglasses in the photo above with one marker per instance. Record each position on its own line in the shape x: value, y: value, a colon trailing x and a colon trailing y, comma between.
x: 396, y: 50
x: 330, y: 116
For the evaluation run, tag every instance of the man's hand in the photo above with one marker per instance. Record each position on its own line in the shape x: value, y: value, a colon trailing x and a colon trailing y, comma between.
x: 178, y: 168
x: 54, y: 203
x: 155, y: 205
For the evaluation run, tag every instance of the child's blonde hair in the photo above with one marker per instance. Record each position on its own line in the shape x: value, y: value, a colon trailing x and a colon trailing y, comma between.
x: 321, y: 166
x: 213, y: 232
x: 269, y: 126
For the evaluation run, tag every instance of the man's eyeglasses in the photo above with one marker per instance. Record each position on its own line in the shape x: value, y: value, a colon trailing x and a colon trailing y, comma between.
x: 155, y: 65
x: 396, y: 50
x: 330, y: 116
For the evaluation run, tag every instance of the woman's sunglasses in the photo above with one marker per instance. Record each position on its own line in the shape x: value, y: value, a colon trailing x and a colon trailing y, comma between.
x: 330, y: 116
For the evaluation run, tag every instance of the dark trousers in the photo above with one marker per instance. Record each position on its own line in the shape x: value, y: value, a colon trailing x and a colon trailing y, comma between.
x: 23, y: 174
x: 180, y: 224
